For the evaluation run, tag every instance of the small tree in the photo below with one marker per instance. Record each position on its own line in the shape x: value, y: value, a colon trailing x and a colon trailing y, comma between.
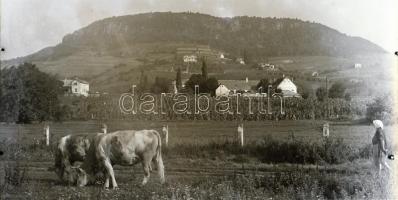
x: 246, y: 57
x: 178, y: 80
x: 161, y: 85
x: 337, y: 90
x: 29, y: 94
x: 212, y: 85
x: 263, y: 83
x: 143, y: 86
x: 347, y: 97
x: 380, y: 108
x: 196, y: 79
x: 321, y: 94
x: 303, y: 89
x: 204, y: 70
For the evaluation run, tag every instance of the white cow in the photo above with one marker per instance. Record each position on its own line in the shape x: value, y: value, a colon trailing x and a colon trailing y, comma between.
x: 126, y: 148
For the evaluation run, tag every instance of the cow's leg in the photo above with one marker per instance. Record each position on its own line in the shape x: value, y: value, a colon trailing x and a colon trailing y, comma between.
x: 154, y: 162
x: 111, y: 173
x: 146, y: 166
x: 150, y: 167
x: 106, y: 184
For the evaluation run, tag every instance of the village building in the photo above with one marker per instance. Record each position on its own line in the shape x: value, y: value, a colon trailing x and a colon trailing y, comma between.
x: 222, y: 90
x: 233, y: 87
x: 287, y: 88
x: 240, y: 61
x: 357, y: 65
x: 190, y: 59
x: 266, y: 66
x: 199, y: 51
x: 76, y: 86
x: 356, y: 81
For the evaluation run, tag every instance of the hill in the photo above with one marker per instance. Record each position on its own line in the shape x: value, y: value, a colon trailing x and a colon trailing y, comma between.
x: 136, y: 40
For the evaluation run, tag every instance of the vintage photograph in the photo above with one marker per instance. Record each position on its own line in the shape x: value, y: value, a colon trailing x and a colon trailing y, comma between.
x: 198, y: 99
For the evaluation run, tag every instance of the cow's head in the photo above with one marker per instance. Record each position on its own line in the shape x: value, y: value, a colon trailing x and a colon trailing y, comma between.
x: 79, y: 147
x: 67, y: 174
x: 79, y: 176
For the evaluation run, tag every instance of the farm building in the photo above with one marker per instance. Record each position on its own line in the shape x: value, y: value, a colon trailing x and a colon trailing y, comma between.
x: 76, y: 86
x: 287, y: 87
x: 357, y: 65
x: 190, y: 59
x: 266, y: 66
x: 222, y: 90
x: 200, y: 51
x: 237, y: 86
x: 240, y: 61
x: 288, y: 61
x: 355, y: 81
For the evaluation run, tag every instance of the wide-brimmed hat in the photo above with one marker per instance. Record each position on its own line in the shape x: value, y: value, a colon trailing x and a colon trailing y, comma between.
x: 378, y: 124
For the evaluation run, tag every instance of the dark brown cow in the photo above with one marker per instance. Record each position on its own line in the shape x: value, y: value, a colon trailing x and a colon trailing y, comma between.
x: 71, y: 149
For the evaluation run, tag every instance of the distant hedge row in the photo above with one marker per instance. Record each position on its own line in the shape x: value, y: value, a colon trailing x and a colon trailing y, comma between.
x: 108, y: 107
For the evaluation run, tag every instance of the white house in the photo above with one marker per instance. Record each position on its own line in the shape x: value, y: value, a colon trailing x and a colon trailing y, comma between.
x: 240, y: 61
x: 288, y: 88
x: 314, y: 74
x: 236, y: 86
x: 76, y: 86
x: 222, y: 90
x: 357, y: 65
x: 266, y: 66
x: 190, y: 59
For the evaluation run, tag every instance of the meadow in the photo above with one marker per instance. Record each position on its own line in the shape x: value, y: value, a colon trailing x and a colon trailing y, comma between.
x: 280, y: 160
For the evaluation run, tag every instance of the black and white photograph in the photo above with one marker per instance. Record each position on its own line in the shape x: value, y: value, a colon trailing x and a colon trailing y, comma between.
x: 198, y: 99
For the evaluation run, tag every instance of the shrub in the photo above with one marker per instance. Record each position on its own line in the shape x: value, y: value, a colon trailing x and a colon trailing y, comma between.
x: 380, y: 108
x: 331, y: 151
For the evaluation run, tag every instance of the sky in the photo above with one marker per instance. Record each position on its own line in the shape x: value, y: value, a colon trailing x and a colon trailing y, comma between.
x: 30, y: 25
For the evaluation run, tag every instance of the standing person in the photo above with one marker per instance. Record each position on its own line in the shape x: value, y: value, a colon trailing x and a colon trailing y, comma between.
x: 379, y: 142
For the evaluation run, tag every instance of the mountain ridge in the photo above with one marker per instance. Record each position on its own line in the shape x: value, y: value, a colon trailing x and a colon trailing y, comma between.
x: 110, y: 41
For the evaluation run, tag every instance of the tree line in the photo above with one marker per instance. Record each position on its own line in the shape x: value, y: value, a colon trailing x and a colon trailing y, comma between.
x: 27, y: 94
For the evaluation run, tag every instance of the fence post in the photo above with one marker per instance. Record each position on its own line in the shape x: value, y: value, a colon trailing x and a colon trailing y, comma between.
x: 325, y: 130
x: 47, y: 134
x: 104, y: 128
x: 240, y: 134
x: 165, y: 130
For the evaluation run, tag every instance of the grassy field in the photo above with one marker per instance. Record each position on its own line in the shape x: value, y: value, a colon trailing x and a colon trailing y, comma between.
x: 203, y: 131
x: 202, y: 162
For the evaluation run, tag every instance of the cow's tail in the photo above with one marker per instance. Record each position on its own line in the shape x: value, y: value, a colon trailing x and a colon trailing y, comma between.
x: 159, y: 160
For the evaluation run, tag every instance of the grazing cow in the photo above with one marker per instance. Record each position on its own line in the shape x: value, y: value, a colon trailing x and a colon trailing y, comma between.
x: 125, y: 148
x: 70, y: 149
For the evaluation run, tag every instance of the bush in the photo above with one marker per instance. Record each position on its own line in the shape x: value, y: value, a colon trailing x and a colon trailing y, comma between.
x: 380, y: 108
x: 28, y: 94
x: 331, y: 151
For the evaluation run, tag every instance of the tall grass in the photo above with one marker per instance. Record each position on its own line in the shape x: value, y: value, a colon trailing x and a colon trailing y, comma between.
x: 269, y: 150
x: 11, y: 174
